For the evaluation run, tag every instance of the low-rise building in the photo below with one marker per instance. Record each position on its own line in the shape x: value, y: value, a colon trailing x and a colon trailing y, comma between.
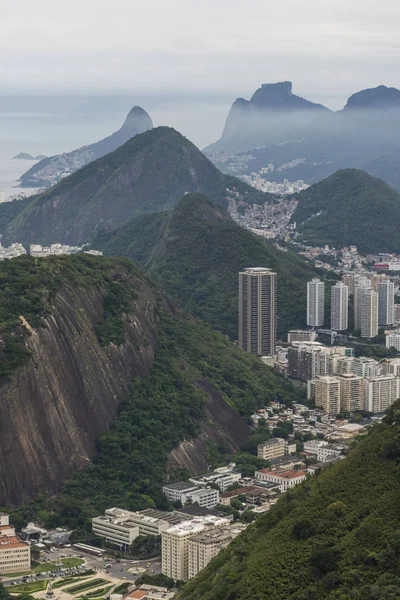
x: 271, y: 449
x: 121, y: 527
x: 223, y: 477
x: 284, y: 479
x: 15, y: 555
x: 178, y: 492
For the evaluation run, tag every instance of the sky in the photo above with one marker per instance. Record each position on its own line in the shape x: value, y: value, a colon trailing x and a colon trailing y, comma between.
x: 189, y: 59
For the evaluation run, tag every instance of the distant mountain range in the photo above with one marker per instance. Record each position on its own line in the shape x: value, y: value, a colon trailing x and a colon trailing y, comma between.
x: 195, y: 251
x: 272, y: 114
x: 306, y: 141
x: 350, y: 208
x: 50, y: 171
x: 150, y: 172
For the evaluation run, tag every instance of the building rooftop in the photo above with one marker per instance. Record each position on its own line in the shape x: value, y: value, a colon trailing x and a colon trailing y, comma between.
x: 181, y: 486
x: 11, y: 543
x: 197, y: 525
x: 194, y: 510
x: 221, y: 534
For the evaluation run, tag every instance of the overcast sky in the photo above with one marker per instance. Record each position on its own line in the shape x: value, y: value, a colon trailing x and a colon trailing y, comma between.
x: 214, y: 48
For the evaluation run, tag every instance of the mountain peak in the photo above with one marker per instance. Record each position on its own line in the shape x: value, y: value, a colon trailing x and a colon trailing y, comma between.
x: 138, y: 116
x: 378, y: 97
x: 273, y: 114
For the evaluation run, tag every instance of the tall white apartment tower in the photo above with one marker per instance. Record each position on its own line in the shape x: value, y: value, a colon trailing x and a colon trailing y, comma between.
x: 339, y: 307
x: 360, y: 286
x: 369, y: 313
x: 315, y: 303
x: 258, y: 311
x: 386, y: 302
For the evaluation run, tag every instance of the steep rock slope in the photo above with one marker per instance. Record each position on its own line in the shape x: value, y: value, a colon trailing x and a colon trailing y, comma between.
x: 195, y: 252
x: 337, y: 536
x: 67, y: 391
x: 150, y: 172
x: 350, y: 208
x: 88, y: 342
x: 50, y: 170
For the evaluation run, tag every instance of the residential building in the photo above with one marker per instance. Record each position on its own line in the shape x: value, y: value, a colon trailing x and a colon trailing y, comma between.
x: 302, y: 335
x: 351, y: 392
x: 271, y: 449
x: 392, y: 340
x: 322, y: 450
x: 366, y: 367
x: 386, y: 302
x: 175, y: 544
x: 315, y: 303
x: 284, y: 479
x: 202, y: 548
x: 369, y: 314
x: 361, y: 285
x: 380, y: 392
x: 327, y: 394
x: 391, y: 366
x: 15, y: 555
x: 309, y: 360
x: 258, y: 311
x: 339, y: 307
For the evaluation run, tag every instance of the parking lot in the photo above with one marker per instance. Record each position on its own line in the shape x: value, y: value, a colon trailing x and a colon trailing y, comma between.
x: 117, y: 569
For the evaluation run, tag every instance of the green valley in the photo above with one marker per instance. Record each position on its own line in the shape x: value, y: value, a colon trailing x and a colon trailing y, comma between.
x: 195, y: 252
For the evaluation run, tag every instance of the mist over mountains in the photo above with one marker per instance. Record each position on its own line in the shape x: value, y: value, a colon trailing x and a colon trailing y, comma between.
x: 307, y: 141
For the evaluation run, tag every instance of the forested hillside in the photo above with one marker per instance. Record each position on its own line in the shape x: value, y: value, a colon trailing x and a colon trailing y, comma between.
x: 335, y: 537
x: 195, y: 252
x: 350, y: 208
x: 98, y: 341
x: 150, y: 172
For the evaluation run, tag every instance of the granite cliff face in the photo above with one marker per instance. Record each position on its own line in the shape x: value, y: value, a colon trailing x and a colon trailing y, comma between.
x: 67, y: 393
x: 272, y: 114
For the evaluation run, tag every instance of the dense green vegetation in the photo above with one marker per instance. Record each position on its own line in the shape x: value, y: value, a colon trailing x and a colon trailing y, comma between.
x: 195, y: 253
x: 148, y: 173
x: 335, y: 537
x: 9, y: 210
x: 350, y: 208
x: 31, y: 587
x: 159, y: 412
x: 28, y: 287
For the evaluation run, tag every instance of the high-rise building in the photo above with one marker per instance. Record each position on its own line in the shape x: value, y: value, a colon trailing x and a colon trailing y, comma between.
x: 204, y: 547
x: 315, y: 303
x: 380, y: 392
x: 339, y: 307
x: 327, y: 394
x: 351, y: 392
x: 386, y: 302
x: 369, y: 314
x: 258, y: 311
x: 360, y: 285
